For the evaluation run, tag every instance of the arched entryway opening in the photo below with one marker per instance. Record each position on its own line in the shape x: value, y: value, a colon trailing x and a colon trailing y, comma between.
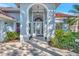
x: 37, y: 20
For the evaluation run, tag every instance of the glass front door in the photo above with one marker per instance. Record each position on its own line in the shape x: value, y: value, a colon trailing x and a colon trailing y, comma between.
x: 38, y: 28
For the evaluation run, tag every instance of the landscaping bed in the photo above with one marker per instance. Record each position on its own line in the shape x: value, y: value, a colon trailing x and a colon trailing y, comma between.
x: 65, y: 40
x: 12, y: 36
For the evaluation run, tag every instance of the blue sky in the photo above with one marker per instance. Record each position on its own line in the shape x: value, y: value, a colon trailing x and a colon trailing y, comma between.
x: 7, y: 5
x: 65, y: 7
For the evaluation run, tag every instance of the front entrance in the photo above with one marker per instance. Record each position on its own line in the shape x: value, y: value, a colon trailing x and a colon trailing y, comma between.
x: 38, y: 28
x: 37, y: 21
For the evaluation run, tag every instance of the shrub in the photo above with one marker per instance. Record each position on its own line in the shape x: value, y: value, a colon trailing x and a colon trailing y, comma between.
x: 76, y: 34
x: 56, y: 39
x: 63, y: 39
x: 18, y: 35
x: 11, y: 36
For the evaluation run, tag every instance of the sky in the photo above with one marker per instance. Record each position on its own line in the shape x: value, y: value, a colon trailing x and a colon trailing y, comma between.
x: 65, y: 7
x: 7, y: 5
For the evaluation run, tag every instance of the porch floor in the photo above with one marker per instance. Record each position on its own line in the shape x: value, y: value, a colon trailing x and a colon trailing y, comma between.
x: 34, y: 47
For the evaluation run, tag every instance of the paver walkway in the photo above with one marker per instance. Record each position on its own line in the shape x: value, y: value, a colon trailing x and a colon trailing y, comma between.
x: 34, y: 47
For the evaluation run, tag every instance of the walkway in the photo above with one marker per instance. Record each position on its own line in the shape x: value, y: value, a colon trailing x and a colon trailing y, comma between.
x: 34, y: 47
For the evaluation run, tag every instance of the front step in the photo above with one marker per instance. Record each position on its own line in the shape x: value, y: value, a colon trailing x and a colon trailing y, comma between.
x: 40, y: 38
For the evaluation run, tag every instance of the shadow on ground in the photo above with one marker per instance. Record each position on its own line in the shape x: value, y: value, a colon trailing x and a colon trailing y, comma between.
x: 41, y: 49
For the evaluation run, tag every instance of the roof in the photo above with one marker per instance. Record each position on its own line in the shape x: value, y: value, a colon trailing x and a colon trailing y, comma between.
x: 61, y: 15
x: 2, y: 12
x: 9, y: 9
x: 4, y: 16
x: 65, y: 14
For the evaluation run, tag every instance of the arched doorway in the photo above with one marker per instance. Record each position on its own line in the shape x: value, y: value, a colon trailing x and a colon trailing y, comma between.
x: 37, y: 20
x: 38, y: 27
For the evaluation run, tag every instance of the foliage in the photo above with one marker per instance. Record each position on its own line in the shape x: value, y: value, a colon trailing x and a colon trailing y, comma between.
x: 63, y: 39
x: 11, y: 36
x: 18, y: 35
x: 76, y: 34
x: 76, y: 9
x: 59, y: 25
x: 72, y: 20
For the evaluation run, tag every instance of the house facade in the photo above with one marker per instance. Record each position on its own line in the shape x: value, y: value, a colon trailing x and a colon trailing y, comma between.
x: 9, y: 17
x: 60, y: 19
x: 37, y: 20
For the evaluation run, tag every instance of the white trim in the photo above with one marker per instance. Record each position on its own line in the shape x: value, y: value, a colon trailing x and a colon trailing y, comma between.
x: 43, y: 6
x: 21, y: 38
x: 61, y: 18
x: 59, y: 21
x: 35, y: 4
x: 32, y: 25
x: 14, y: 26
x: 1, y: 31
x: 40, y: 30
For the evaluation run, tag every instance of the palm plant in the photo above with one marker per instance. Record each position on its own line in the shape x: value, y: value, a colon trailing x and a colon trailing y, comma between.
x: 70, y: 20
x: 74, y: 19
x: 75, y: 9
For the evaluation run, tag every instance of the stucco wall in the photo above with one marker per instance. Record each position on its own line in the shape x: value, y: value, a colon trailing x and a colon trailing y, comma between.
x: 5, y: 26
x: 1, y: 30
x: 24, y: 29
x: 15, y: 15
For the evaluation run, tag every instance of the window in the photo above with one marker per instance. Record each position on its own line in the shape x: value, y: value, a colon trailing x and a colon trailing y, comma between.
x: 59, y: 25
x: 30, y: 28
x: 18, y: 27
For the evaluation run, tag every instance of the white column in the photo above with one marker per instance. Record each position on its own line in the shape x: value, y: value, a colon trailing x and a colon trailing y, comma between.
x: 50, y: 24
x: 32, y: 25
x: 77, y: 26
x: 44, y: 28
x: 48, y: 19
x: 27, y: 25
x: 14, y: 26
x: 1, y: 31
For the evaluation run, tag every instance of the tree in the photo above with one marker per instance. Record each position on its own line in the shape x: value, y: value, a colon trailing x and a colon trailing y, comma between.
x: 74, y: 19
x: 75, y: 9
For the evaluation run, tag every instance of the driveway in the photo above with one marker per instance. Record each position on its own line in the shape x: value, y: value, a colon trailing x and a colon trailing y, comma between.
x: 34, y: 47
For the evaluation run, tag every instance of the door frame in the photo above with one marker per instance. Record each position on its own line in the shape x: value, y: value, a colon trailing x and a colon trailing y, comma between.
x: 41, y: 29
x: 47, y: 10
x: 43, y: 19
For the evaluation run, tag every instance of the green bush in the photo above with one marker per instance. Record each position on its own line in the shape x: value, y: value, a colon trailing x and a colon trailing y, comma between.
x: 76, y: 34
x: 56, y: 40
x: 63, y: 39
x: 11, y: 36
x: 18, y: 35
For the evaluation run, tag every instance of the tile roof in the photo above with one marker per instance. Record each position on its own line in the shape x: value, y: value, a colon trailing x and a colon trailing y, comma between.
x: 1, y: 11
x: 61, y: 15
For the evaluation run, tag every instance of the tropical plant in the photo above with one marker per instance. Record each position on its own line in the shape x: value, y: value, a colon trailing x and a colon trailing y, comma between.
x: 63, y: 40
x: 76, y: 9
x: 74, y: 19
x: 76, y: 34
x: 11, y: 36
